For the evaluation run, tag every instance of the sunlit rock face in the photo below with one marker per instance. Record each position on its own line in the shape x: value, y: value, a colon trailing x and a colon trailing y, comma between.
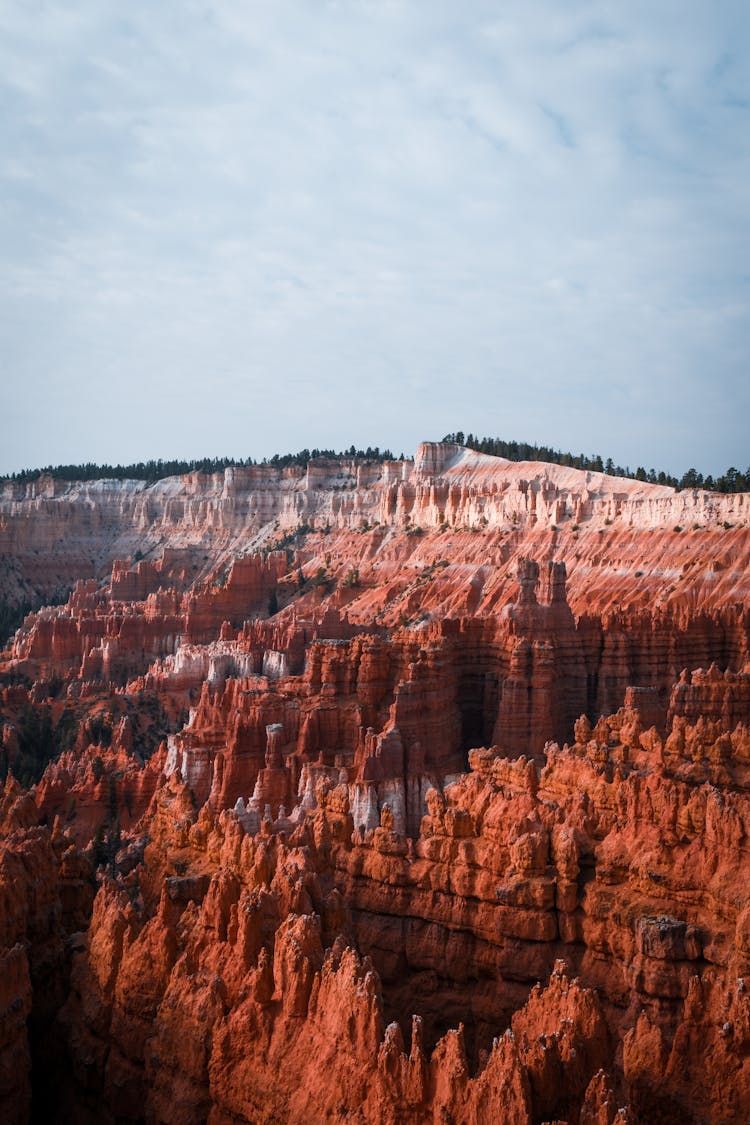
x: 404, y: 792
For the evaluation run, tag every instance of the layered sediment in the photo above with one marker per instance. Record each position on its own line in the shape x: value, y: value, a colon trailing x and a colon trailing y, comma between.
x: 413, y: 792
x: 474, y: 510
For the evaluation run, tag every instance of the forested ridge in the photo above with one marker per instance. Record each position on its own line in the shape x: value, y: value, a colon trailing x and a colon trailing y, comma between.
x: 733, y: 480
x: 157, y: 470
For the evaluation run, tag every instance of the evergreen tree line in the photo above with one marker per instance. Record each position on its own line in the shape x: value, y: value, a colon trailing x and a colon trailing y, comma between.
x: 372, y: 453
x: 151, y: 471
x: 731, y: 481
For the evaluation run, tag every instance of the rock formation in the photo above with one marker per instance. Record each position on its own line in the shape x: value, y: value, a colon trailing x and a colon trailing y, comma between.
x: 376, y: 793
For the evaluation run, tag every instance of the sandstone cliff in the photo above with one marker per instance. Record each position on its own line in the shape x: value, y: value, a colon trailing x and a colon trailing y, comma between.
x: 233, y: 985
x: 648, y: 540
x: 413, y: 792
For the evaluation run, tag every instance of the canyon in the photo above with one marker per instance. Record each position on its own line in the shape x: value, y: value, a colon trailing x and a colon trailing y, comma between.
x: 404, y: 791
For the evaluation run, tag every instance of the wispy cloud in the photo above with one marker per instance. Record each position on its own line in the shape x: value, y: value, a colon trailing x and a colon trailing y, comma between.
x: 238, y: 228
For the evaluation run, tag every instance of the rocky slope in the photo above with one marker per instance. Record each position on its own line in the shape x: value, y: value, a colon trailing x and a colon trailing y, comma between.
x: 413, y: 792
x: 476, y: 511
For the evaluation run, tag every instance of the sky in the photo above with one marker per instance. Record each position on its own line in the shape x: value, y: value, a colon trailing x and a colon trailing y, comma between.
x: 234, y: 229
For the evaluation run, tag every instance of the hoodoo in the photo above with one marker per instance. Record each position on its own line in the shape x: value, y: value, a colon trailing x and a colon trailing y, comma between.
x: 386, y: 792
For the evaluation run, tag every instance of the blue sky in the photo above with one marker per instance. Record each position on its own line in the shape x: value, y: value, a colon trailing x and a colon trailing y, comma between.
x: 242, y: 228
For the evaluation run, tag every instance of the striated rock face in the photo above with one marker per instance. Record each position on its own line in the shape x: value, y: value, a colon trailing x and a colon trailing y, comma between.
x: 376, y: 793
x: 234, y: 987
x: 45, y: 895
x: 648, y: 542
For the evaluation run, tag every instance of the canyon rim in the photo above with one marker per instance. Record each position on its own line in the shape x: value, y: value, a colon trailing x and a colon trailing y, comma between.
x: 375, y: 791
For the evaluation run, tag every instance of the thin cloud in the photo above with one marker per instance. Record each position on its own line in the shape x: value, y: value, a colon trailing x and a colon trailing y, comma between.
x: 262, y: 227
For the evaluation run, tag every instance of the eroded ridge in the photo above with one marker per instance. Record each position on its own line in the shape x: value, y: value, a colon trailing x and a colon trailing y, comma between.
x: 376, y: 820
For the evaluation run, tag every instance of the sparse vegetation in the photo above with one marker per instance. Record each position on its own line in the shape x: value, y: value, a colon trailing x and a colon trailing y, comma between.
x: 222, y: 578
x: 730, y: 481
x: 12, y: 613
x: 39, y: 741
x: 157, y: 470
x: 322, y: 579
x: 293, y: 538
x: 733, y: 480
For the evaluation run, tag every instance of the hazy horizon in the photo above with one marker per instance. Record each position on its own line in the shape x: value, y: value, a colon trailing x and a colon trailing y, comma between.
x: 245, y: 230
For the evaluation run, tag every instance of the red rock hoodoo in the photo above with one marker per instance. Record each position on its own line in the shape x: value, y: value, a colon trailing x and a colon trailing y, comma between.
x: 402, y: 793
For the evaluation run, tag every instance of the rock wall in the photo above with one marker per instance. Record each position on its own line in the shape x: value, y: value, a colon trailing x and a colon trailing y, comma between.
x: 646, y: 540
x: 45, y: 896
x: 548, y: 948
x: 409, y: 793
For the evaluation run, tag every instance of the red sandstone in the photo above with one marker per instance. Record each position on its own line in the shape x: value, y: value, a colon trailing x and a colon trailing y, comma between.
x: 458, y: 834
